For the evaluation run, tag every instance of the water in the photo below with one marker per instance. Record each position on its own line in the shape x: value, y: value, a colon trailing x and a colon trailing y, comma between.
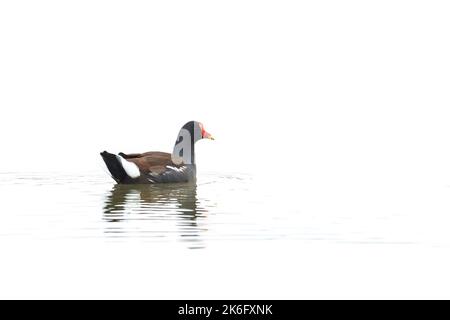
x: 218, y: 208
x: 282, y: 238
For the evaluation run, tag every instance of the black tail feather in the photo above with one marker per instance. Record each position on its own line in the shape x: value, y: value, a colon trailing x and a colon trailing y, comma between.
x: 114, y: 166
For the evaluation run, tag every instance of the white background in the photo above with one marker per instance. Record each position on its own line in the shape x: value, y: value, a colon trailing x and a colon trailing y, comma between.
x: 336, y: 93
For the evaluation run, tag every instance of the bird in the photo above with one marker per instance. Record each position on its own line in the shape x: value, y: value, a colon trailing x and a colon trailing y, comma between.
x: 156, y: 167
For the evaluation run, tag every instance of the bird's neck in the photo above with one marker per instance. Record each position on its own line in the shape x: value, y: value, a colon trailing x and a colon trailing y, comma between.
x: 184, y: 150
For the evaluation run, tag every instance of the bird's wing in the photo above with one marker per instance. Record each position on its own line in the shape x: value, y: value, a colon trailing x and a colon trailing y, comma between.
x: 152, y: 162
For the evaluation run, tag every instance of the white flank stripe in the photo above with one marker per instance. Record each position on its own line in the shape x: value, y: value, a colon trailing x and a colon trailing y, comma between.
x: 130, y: 168
x: 174, y: 168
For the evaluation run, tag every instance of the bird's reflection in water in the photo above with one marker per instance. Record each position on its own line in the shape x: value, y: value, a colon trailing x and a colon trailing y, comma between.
x: 155, y: 212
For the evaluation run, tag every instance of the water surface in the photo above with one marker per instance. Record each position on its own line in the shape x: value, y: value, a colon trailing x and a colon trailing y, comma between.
x: 217, y: 209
